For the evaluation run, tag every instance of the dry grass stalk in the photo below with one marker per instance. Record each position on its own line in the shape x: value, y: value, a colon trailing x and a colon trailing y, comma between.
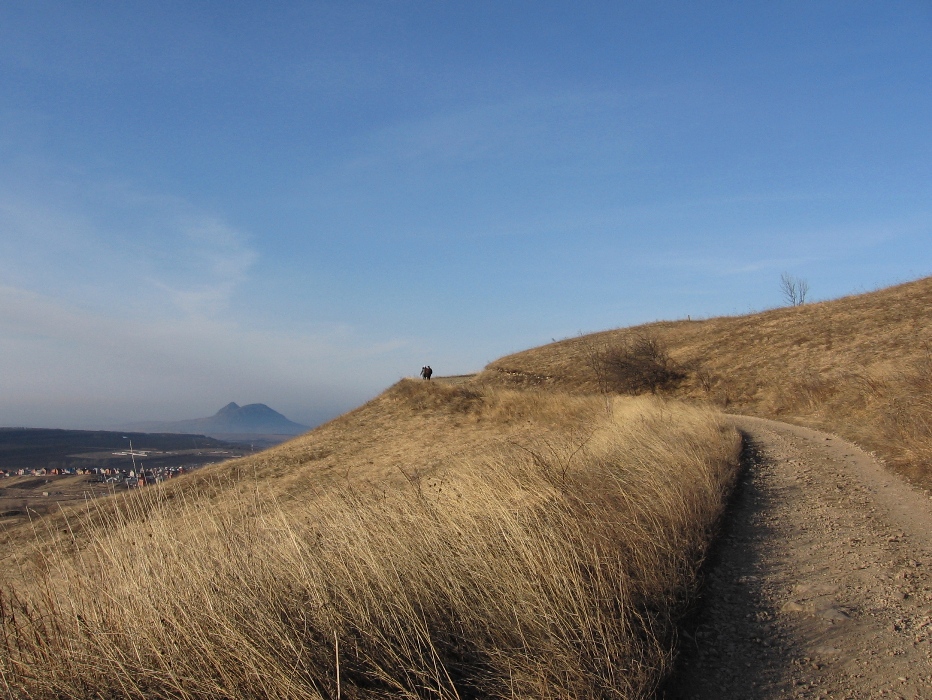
x: 551, y: 562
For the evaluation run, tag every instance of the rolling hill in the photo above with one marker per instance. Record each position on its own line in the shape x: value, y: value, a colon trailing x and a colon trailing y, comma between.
x: 859, y: 366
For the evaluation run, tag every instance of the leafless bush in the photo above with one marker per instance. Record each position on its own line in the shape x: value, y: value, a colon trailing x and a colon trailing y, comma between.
x: 794, y: 289
x: 705, y: 379
x: 593, y: 354
x: 639, y: 365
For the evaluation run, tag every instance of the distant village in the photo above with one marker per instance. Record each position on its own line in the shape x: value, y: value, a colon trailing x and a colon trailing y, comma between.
x: 130, y: 477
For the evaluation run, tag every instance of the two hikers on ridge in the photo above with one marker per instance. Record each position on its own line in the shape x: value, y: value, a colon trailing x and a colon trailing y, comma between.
x: 426, y: 372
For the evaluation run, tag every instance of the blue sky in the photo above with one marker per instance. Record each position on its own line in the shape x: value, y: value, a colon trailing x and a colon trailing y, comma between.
x: 299, y: 203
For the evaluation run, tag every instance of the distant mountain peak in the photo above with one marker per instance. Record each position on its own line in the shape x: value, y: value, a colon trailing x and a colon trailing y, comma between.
x: 257, y: 410
x: 254, y: 418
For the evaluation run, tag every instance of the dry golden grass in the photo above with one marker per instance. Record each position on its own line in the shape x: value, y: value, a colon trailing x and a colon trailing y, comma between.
x: 441, y: 541
x: 860, y: 366
x: 404, y: 430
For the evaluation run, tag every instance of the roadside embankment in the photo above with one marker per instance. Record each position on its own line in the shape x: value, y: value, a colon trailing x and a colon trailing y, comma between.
x: 442, y: 541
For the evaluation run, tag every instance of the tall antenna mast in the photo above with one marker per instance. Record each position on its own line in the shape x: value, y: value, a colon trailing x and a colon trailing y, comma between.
x: 132, y: 455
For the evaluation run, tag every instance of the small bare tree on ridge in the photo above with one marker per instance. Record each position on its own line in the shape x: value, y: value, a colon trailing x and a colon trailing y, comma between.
x: 794, y: 289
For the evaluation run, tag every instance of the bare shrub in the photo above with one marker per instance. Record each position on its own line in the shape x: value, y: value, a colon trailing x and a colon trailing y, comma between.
x: 794, y: 289
x: 593, y: 357
x: 705, y: 379
x: 639, y: 365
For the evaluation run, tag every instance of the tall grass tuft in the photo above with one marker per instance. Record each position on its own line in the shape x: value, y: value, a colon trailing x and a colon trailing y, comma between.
x: 547, y: 568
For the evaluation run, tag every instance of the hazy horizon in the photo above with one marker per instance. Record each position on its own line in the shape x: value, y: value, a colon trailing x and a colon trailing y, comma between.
x: 145, y: 425
x: 299, y: 204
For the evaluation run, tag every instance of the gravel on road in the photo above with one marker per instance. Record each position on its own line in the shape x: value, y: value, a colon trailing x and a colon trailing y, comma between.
x: 820, y: 586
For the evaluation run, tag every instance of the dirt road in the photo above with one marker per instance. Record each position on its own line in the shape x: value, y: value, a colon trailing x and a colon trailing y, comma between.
x: 822, y: 584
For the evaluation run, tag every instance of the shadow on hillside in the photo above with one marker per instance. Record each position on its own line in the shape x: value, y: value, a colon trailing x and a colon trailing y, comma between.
x: 729, y: 647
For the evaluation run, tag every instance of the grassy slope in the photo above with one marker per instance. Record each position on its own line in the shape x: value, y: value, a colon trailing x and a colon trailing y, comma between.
x: 860, y: 366
x: 440, y: 541
x: 454, y: 540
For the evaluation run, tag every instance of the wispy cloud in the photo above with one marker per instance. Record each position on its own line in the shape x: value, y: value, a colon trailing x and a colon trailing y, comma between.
x: 531, y: 126
x: 215, y: 259
x: 109, y: 244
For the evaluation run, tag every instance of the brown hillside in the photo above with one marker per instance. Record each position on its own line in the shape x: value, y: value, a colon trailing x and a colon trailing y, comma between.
x: 860, y: 366
x: 409, y: 432
x: 442, y: 541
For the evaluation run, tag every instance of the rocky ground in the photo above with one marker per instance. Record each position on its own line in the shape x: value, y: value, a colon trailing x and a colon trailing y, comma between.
x: 821, y: 586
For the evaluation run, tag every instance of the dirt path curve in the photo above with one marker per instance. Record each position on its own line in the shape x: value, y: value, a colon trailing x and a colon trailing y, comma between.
x: 822, y: 584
